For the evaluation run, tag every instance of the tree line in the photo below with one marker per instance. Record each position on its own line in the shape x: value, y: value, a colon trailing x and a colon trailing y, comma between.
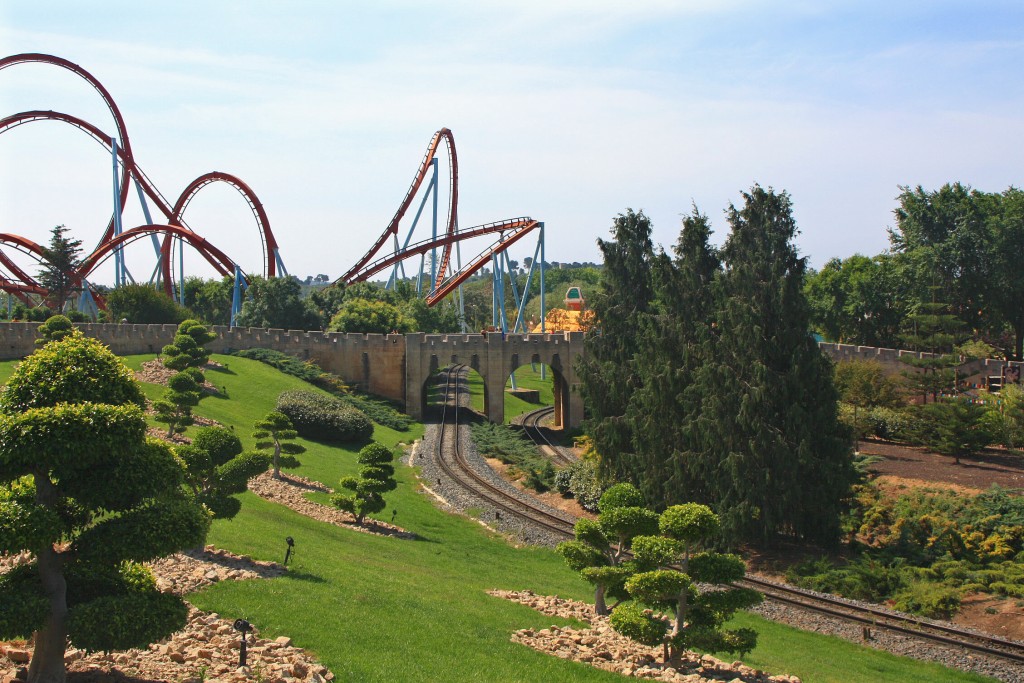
x: 953, y: 251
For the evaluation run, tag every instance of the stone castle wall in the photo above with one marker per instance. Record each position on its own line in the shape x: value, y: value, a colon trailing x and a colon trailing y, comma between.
x: 396, y: 366
x: 974, y: 372
x: 373, y: 362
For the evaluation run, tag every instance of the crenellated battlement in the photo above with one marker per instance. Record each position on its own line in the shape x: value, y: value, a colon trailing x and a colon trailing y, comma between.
x: 397, y: 366
x: 975, y: 371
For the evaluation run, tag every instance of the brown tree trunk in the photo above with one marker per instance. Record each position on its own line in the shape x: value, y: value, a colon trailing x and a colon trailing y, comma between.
x: 47, y: 664
x: 599, y: 605
x: 277, y: 459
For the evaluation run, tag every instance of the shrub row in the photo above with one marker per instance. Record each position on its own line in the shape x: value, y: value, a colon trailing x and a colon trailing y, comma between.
x: 512, y: 448
x: 378, y: 410
x: 282, y: 361
x: 324, y: 418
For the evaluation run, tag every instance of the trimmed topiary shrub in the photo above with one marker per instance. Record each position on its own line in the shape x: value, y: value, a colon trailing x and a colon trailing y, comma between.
x: 366, y: 492
x: 55, y: 328
x: 324, y: 418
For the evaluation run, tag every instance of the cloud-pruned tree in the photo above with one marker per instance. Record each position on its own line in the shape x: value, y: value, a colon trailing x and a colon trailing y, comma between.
x: 84, y: 490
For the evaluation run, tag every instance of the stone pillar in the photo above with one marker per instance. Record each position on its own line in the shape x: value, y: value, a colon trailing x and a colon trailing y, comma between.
x: 556, y: 386
x: 495, y: 375
x: 417, y: 369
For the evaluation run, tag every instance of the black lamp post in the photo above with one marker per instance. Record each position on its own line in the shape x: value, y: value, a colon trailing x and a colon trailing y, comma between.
x: 243, y: 627
x: 291, y: 546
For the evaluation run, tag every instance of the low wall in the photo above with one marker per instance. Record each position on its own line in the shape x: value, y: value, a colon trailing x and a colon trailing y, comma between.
x: 373, y: 362
x: 975, y: 372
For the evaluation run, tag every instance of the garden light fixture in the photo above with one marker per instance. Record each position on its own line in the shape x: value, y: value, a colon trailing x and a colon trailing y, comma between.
x: 243, y: 627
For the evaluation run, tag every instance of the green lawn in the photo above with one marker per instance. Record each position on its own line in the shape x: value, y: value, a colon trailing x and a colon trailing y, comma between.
x: 526, y: 378
x: 383, y: 609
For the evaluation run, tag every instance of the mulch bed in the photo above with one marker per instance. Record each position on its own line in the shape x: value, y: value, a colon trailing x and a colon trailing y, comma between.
x: 993, y: 466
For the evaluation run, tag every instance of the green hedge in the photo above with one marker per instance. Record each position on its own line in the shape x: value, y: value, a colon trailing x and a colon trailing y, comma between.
x: 324, y: 418
x: 378, y: 410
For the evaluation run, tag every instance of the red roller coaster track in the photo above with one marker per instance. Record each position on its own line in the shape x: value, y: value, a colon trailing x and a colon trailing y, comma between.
x: 176, y: 227
x: 21, y: 284
x: 516, y: 228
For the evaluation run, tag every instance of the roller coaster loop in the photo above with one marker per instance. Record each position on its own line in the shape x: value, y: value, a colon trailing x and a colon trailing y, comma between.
x: 21, y: 283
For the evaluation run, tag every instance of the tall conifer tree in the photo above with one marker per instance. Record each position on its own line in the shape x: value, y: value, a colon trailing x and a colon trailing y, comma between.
x: 768, y: 417
x: 672, y: 340
x: 609, y: 371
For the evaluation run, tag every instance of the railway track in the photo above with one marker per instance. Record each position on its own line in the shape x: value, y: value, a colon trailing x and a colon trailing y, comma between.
x: 875, y: 619
x: 531, y: 423
x: 451, y: 458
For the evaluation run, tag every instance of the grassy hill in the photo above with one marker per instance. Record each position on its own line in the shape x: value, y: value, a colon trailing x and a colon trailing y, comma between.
x: 384, y: 609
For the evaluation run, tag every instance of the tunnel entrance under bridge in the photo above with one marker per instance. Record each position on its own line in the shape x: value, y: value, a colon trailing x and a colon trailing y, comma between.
x: 494, y: 356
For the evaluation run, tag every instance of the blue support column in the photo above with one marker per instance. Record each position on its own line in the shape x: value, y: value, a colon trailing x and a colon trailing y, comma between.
x: 149, y: 221
x: 543, y: 312
x: 433, y: 252
x: 118, y: 255
x: 236, y: 297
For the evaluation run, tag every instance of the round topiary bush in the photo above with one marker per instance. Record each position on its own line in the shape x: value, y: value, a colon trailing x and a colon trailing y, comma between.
x: 324, y: 418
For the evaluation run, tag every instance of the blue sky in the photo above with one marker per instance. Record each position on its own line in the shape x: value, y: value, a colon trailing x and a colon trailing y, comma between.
x: 568, y: 112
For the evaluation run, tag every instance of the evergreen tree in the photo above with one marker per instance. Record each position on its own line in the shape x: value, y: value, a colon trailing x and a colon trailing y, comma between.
x: 954, y: 427
x: 608, y: 372
x: 663, y: 409
x: 59, y: 274
x: 935, y: 331
x: 768, y: 418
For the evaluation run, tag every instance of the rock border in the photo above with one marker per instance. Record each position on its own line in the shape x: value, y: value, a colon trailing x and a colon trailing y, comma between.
x: 602, y: 647
x: 290, y: 491
x: 206, y: 650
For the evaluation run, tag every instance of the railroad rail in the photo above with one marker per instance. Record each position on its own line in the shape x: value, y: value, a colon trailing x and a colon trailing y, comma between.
x: 871, y: 618
x: 531, y: 423
x: 874, y: 618
x: 451, y: 458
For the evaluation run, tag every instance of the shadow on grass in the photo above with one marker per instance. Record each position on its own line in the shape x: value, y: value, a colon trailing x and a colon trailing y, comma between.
x: 305, y: 576
x: 223, y: 369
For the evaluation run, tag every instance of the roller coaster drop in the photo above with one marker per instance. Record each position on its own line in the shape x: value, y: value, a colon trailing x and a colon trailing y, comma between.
x: 446, y: 277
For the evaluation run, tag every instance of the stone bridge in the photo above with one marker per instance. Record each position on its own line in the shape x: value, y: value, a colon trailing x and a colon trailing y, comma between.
x: 398, y: 367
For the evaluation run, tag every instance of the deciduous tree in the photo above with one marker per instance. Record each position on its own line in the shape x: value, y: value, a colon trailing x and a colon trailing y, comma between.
x: 144, y: 304
x: 277, y: 302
